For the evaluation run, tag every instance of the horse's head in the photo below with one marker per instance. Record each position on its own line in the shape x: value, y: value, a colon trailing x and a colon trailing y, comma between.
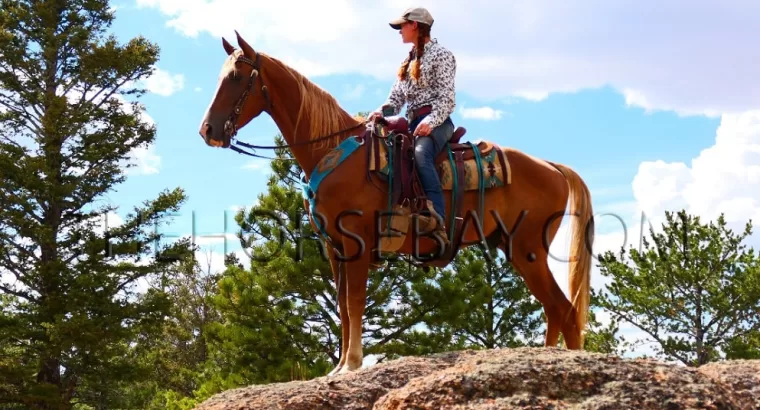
x: 240, y: 96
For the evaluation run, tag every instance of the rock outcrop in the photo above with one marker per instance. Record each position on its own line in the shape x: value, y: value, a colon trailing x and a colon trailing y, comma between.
x: 524, y: 378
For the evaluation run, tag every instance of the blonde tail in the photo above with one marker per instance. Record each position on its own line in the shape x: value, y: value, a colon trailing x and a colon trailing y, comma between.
x: 581, y: 247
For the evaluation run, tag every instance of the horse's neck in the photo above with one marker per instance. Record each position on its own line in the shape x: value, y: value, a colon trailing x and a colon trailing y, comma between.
x: 294, y: 120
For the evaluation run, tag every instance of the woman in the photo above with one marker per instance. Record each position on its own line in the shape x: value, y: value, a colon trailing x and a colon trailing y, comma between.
x: 426, y: 84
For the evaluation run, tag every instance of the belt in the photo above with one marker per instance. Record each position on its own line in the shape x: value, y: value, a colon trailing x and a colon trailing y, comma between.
x: 417, y: 112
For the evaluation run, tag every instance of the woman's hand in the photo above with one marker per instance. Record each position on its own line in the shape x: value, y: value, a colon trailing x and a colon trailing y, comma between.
x: 423, y: 129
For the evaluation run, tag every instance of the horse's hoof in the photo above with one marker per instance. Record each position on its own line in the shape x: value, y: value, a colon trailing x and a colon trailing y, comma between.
x: 335, y: 371
x: 349, y: 367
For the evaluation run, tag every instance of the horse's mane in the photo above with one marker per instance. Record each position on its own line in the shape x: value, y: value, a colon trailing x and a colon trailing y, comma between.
x: 322, y: 110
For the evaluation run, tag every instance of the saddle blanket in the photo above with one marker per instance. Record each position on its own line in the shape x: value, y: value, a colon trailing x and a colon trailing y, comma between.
x: 494, y: 163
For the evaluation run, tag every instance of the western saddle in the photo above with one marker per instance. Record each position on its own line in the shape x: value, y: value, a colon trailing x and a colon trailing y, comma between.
x: 404, y: 183
x: 400, y: 125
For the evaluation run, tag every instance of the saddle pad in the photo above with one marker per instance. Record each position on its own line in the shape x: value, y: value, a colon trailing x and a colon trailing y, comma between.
x: 494, y: 163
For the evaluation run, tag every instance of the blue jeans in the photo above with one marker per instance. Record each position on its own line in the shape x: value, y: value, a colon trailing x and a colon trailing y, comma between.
x: 426, y: 148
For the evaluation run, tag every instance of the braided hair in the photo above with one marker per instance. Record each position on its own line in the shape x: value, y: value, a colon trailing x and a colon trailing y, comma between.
x: 419, y: 48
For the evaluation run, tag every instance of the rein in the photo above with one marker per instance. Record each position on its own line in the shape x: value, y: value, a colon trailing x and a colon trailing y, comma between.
x: 231, y: 129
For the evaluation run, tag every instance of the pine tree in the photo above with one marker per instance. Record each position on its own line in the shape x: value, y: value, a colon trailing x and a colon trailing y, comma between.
x: 694, y: 289
x: 175, y: 352
x: 66, y: 134
x: 489, y: 304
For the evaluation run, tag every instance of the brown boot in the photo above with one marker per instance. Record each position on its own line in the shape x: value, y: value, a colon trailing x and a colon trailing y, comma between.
x: 431, y: 224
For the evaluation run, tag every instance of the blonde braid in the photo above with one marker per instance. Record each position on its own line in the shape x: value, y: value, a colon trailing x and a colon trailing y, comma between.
x: 424, y: 32
x: 405, y: 66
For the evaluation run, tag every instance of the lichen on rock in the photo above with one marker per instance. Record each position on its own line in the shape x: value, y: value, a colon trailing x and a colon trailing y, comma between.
x: 520, y: 378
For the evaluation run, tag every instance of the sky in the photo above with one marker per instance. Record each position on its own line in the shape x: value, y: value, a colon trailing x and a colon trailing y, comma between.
x: 657, y: 106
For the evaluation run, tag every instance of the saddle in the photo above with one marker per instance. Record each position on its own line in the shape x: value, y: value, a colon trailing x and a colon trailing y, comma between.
x: 400, y: 125
x: 461, y: 167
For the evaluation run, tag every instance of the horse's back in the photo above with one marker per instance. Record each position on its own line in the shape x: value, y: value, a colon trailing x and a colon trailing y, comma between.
x: 530, y: 170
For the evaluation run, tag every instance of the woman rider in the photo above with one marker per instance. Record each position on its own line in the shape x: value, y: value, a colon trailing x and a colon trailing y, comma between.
x: 426, y: 84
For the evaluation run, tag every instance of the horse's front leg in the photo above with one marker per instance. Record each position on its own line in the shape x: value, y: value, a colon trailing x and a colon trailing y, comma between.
x: 339, y: 274
x: 356, y: 253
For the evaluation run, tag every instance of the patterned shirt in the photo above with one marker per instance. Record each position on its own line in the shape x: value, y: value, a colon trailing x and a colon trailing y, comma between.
x: 436, y: 86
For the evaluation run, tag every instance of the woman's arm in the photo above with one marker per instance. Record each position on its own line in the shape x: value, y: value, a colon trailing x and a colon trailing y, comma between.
x: 395, y: 100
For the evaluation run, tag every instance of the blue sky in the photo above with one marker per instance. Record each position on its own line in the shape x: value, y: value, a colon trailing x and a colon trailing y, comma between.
x: 646, y: 106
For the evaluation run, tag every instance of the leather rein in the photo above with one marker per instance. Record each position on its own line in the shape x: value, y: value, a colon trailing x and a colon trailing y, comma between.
x: 230, y: 126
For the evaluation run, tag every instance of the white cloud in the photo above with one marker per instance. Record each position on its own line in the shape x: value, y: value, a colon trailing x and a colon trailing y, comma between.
x: 146, y: 161
x: 108, y: 221
x: 724, y: 178
x: 635, y: 98
x: 256, y: 164
x: 532, y: 95
x: 481, y: 113
x: 236, y: 208
x: 210, y: 256
x: 225, y: 240
x: 669, y: 55
x: 355, y: 92
x: 163, y: 83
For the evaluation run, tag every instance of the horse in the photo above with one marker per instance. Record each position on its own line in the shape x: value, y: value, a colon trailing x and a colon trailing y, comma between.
x: 326, y: 141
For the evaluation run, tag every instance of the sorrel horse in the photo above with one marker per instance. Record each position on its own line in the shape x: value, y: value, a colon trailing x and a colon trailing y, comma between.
x: 313, y: 124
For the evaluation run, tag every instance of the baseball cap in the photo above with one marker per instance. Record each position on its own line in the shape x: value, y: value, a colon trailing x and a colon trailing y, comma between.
x: 418, y: 14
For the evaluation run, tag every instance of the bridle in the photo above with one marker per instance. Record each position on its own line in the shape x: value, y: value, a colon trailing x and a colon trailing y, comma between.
x: 231, y: 128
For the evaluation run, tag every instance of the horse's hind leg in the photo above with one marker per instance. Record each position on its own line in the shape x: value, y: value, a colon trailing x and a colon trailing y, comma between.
x: 531, y: 260
x: 540, y: 281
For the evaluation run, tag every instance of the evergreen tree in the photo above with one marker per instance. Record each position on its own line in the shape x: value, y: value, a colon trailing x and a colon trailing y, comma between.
x: 174, y: 354
x: 489, y: 304
x: 603, y: 339
x: 746, y: 346
x: 66, y: 134
x: 695, y: 289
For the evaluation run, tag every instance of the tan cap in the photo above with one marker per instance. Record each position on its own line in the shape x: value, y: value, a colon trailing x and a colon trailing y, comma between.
x: 418, y: 14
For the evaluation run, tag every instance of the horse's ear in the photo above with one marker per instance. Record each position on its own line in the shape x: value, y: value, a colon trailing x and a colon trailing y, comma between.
x: 247, y: 49
x: 227, y: 46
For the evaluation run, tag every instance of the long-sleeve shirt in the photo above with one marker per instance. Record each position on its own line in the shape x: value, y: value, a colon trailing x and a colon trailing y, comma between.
x: 435, y: 88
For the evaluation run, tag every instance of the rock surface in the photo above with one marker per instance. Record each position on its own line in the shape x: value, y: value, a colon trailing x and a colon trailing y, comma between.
x: 524, y: 378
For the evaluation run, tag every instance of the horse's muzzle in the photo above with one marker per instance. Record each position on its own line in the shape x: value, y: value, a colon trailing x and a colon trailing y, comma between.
x: 207, y: 132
